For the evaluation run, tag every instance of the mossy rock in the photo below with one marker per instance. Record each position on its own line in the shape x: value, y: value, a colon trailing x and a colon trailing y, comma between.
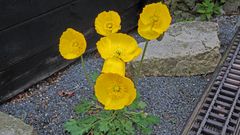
x: 232, y: 7
x: 182, y: 10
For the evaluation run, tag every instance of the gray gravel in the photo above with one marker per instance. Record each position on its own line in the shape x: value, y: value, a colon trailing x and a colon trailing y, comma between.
x: 44, y: 108
x: 227, y: 28
x: 171, y: 98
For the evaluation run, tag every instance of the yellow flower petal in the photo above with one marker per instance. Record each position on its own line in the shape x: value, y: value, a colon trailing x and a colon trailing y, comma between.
x: 114, y: 91
x: 147, y: 32
x: 72, y: 44
x: 114, y: 65
x: 154, y: 20
x: 107, y: 23
x: 120, y: 46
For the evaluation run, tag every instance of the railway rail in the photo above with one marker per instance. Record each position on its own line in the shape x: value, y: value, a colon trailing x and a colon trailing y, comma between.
x: 218, y: 112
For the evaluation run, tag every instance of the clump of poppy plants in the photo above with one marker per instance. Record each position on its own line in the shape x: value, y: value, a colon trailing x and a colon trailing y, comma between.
x: 116, y: 108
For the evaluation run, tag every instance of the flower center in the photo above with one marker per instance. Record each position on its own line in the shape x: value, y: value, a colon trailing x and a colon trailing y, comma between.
x: 118, y: 52
x: 116, y: 88
x: 76, y: 47
x: 109, y: 25
x: 155, y: 18
x: 75, y: 44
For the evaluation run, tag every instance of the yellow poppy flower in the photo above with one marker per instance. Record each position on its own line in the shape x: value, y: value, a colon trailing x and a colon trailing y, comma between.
x: 107, y: 23
x: 120, y: 46
x: 114, y: 91
x: 114, y: 65
x: 154, y: 20
x: 72, y: 44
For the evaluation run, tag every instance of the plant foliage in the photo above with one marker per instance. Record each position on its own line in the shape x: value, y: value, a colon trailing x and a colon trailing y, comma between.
x: 93, y: 119
x: 208, y: 9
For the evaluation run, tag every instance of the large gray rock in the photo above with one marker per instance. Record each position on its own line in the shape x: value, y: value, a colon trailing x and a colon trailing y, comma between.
x: 187, y: 48
x: 10, y: 125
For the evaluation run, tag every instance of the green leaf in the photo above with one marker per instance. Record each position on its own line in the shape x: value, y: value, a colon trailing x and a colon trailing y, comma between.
x: 137, y: 104
x: 153, y: 119
x: 103, y: 126
x: 141, y: 105
x: 121, y: 122
x: 206, y: 3
x: 134, y: 105
x: 83, y: 107
x: 217, y: 9
x: 129, y: 127
x: 208, y: 8
x: 211, y: 5
x: 97, y: 132
x: 89, y: 120
x: 201, y: 11
x: 209, y: 16
x: 203, y: 17
x: 136, y: 118
x: 198, y: 5
x: 147, y: 131
x: 103, y: 115
x: 115, y: 127
x: 94, y: 76
x: 119, y: 132
x: 72, y: 127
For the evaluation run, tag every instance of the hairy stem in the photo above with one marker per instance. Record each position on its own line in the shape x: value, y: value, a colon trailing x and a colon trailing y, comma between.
x: 85, y: 72
x: 140, y: 67
x: 141, y: 62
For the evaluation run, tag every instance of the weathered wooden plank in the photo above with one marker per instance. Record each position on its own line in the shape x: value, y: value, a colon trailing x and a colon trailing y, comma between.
x: 16, y: 11
x: 29, y: 52
x: 13, y: 12
x: 31, y: 37
x: 22, y: 75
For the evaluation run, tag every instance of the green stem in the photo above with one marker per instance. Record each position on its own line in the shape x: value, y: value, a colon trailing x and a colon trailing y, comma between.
x: 85, y: 72
x: 131, y: 119
x: 141, y: 62
x: 139, y: 68
x: 114, y: 115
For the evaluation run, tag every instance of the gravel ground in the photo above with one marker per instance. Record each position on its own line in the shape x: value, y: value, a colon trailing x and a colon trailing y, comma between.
x: 227, y: 28
x: 171, y: 98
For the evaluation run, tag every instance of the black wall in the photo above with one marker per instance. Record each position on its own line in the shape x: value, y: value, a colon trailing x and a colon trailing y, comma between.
x: 30, y: 31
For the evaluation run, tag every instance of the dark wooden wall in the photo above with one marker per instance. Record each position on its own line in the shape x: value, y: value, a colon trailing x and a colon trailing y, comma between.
x: 30, y: 31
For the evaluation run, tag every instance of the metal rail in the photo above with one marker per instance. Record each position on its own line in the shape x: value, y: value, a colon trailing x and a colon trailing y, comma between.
x: 218, y: 112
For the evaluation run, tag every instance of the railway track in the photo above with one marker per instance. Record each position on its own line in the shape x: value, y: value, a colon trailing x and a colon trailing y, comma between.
x: 218, y: 112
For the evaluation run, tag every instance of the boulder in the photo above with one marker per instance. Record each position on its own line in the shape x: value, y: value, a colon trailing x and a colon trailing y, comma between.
x: 10, y: 125
x: 187, y: 48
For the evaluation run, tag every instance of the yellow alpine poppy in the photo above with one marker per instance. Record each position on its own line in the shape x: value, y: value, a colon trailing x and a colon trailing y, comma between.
x: 114, y: 65
x: 114, y: 91
x: 107, y: 23
x: 120, y: 46
x: 154, y: 20
x: 72, y: 44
